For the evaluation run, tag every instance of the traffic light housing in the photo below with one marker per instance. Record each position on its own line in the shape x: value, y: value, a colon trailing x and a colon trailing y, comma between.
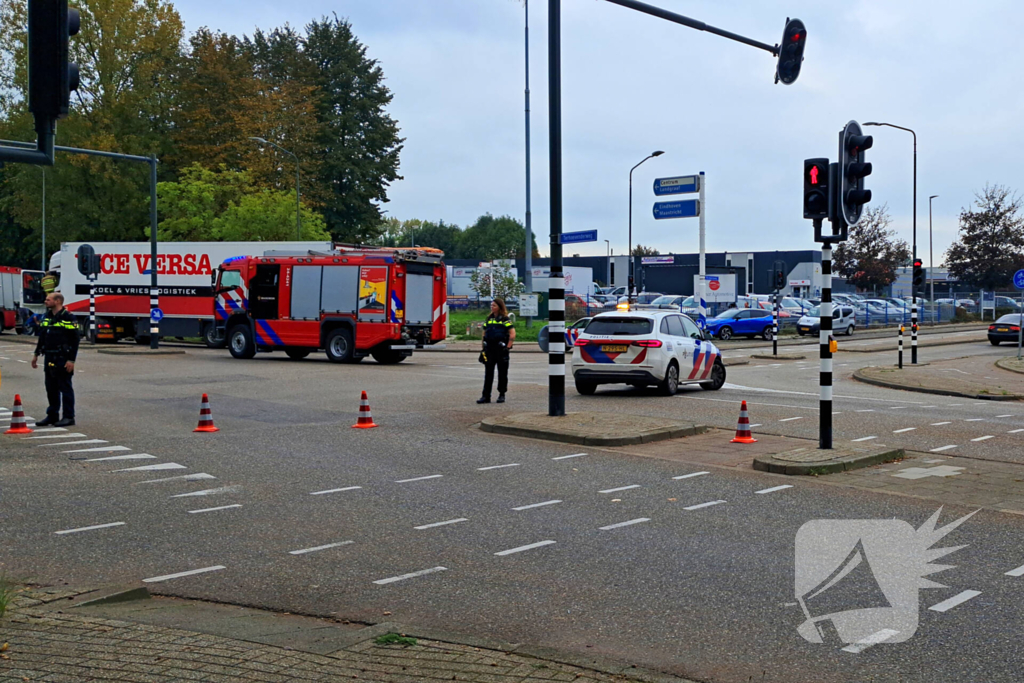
x: 780, y: 280
x: 918, y: 274
x: 51, y: 74
x: 791, y: 51
x: 852, y: 171
x: 816, y: 188
x: 88, y: 261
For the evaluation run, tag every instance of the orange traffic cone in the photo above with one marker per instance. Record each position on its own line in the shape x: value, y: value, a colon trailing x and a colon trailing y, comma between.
x: 365, y: 420
x: 205, y: 417
x: 743, y: 427
x: 18, y: 424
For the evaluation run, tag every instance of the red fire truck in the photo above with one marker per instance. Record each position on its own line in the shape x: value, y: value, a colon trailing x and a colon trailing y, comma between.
x: 351, y: 302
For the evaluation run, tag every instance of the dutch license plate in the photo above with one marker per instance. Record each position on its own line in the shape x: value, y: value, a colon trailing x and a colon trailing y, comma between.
x: 120, y: 329
x: 614, y: 348
x: 1002, y: 329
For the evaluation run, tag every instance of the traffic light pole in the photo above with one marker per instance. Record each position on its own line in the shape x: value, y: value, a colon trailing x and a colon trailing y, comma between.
x: 154, y: 300
x: 825, y: 404
x: 556, y: 283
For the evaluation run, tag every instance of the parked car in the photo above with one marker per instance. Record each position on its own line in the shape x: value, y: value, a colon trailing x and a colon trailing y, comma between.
x: 1007, y: 328
x: 1007, y: 302
x: 643, y: 348
x: 793, y: 306
x: 749, y: 322
x: 667, y: 302
x: 843, y: 321
x: 641, y: 298
x: 572, y: 332
x: 957, y: 302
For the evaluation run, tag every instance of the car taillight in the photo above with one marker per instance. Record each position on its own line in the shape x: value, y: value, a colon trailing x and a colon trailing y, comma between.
x: 581, y: 342
x: 991, y: 327
x: 648, y: 343
x: 1014, y: 328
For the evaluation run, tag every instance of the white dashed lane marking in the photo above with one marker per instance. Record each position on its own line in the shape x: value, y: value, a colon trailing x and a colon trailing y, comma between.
x: 775, y: 488
x: 89, y: 528
x: 133, y: 456
x: 865, y: 438
x: 191, y: 572
x: 319, y: 547
x: 1015, y: 431
x: 901, y: 431
x: 430, y: 476
x: 958, y: 599
x: 999, y: 416
x: 942, y: 448
x: 631, y: 522
x: 497, y: 467
x: 983, y: 438
x: 939, y: 424
x: 1019, y: 571
x: 55, y: 436
x: 153, y: 468
x: 347, y: 488
x: 975, y: 419
x: 522, y: 548
x: 222, y: 507
x: 691, y: 474
x: 412, y: 575
x: 566, y: 457
x: 100, y: 449
x: 70, y: 443
x: 621, y: 488
x: 209, y: 492
x: 874, y: 639
x: 198, y: 476
x: 537, y: 505
x: 445, y: 523
x: 704, y: 505
x: 790, y: 419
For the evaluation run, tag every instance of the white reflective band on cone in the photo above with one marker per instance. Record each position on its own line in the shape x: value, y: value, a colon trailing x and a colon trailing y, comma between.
x: 554, y: 370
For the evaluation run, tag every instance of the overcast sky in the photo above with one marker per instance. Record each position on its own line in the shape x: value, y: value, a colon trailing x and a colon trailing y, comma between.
x: 633, y: 84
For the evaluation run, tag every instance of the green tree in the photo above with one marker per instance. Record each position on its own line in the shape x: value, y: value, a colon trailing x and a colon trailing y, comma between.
x: 641, y: 250
x: 990, y: 242
x: 266, y: 216
x: 872, y: 255
x: 440, y: 235
x: 505, y: 284
x: 493, y: 238
x: 358, y: 142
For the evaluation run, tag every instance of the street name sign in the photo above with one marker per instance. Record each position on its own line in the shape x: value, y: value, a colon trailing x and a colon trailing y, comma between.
x: 576, y: 237
x: 688, y: 208
x: 679, y: 185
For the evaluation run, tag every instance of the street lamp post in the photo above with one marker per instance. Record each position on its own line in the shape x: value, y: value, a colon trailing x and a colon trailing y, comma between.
x: 630, y: 250
x: 913, y: 290
x: 608, y: 274
x: 931, y: 254
x: 528, y: 250
x: 298, y: 199
x: 44, y: 265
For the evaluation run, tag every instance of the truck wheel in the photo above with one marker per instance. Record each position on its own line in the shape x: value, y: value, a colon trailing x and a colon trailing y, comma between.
x: 388, y: 357
x: 296, y: 354
x: 717, y: 377
x: 339, y: 346
x: 214, y: 338
x: 240, y: 342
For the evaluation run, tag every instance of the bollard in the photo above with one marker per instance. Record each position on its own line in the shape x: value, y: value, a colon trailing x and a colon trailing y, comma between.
x: 900, y: 347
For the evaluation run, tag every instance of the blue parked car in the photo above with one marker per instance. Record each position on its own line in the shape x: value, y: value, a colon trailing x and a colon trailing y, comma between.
x: 751, y: 322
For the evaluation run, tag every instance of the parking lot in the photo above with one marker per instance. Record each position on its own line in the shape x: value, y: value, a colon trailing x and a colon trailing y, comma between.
x: 677, y: 565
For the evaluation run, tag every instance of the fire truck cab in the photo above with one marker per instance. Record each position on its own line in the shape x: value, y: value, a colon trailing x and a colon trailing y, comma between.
x: 350, y: 302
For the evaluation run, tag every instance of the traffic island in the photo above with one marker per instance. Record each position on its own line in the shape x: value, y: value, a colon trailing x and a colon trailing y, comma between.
x: 1011, y: 364
x: 591, y: 429
x: 977, y: 378
x: 140, y: 351
x: 781, y: 356
x: 810, y: 460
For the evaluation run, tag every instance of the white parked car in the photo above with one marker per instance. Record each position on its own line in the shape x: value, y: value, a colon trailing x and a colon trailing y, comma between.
x: 644, y: 348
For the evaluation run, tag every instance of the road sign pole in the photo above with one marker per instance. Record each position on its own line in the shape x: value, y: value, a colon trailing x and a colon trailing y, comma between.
x: 899, y: 361
x: 1020, y: 325
x: 92, y: 309
x: 775, y: 325
x: 701, y: 283
x: 825, y: 333
x: 556, y: 287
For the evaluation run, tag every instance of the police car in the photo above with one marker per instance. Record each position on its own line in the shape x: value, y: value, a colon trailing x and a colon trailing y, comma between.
x: 644, y: 348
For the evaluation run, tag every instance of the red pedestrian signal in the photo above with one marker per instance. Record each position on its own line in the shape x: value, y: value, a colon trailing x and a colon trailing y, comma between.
x: 816, y: 188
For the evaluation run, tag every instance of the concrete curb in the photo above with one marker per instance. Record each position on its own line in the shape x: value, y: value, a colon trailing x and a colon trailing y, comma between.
x: 860, y: 377
x: 141, y: 352
x: 1001, y: 365
x: 775, y: 465
x: 493, y: 426
x: 906, y: 345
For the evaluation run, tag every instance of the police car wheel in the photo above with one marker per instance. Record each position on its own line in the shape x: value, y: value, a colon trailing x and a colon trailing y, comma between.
x: 670, y: 385
x: 717, y: 377
x: 585, y: 388
x: 240, y: 342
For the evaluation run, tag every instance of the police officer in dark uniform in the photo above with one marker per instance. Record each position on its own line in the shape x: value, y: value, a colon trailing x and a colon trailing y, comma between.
x: 58, y: 342
x: 499, y: 335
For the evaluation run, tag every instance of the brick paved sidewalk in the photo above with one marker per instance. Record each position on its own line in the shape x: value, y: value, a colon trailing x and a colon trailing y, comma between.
x: 46, y: 641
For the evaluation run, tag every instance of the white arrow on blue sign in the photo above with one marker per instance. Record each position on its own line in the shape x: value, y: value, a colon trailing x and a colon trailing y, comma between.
x: 679, y: 185
x: 687, y: 208
x: 156, y: 315
x: 1018, y: 279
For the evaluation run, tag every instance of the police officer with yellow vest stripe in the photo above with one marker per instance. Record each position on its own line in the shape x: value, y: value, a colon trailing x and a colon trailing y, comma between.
x: 58, y: 342
x: 499, y: 335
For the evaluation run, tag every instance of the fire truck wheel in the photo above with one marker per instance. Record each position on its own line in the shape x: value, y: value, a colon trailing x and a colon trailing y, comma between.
x: 240, y: 342
x: 297, y: 354
x: 387, y: 357
x: 214, y: 338
x: 339, y: 346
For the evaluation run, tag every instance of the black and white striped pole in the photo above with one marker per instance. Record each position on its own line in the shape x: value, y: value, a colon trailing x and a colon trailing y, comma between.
x: 556, y: 286
x: 899, y: 360
x: 92, y: 309
x: 775, y: 326
x: 825, y: 418
x: 913, y: 330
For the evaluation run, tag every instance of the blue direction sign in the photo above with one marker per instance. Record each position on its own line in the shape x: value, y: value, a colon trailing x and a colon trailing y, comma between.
x: 679, y: 185
x: 688, y: 208
x: 1018, y: 279
x: 582, y: 236
x: 156, y: 315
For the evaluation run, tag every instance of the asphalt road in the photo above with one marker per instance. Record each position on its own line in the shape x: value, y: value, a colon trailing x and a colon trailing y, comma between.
x: 692, y: 575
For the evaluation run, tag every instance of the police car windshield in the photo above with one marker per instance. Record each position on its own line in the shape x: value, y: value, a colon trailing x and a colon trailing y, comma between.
x: 620, y: 326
